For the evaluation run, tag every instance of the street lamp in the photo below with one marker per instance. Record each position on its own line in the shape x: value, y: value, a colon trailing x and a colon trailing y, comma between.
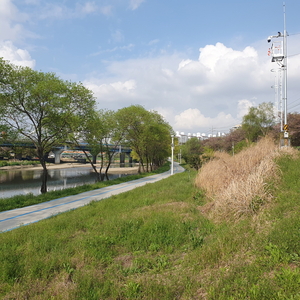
x: 172, y: 157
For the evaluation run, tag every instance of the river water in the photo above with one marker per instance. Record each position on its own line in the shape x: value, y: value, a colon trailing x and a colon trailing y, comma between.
x: 22, y: 181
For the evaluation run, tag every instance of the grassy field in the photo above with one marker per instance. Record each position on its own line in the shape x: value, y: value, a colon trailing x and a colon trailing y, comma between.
x: 160, y: 241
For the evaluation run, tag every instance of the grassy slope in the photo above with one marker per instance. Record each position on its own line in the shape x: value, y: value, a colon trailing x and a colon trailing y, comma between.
x: 154, y: 243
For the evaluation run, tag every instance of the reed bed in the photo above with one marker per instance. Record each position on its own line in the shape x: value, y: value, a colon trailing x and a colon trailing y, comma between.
x: 238, y: 185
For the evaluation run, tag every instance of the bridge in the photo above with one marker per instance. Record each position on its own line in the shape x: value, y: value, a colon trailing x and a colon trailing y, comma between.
x: 58, y: 150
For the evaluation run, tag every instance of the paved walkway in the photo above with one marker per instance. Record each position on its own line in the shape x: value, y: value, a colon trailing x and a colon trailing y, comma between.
x: 12, y: 219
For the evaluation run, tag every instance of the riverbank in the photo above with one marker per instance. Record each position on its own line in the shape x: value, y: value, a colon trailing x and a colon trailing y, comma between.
x: 23, y: 216
x: 156, y: 242
x: 114, y: 170
x: 19, y: 201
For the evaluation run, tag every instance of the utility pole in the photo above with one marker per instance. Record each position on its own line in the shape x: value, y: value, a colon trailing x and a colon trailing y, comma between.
x: 278, y: 51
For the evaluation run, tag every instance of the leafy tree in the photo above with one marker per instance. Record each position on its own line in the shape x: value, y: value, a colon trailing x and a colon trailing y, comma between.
x: 133, y: 120
x: 259, y: 121
x: 146, y: 133
x: 191, y: 152
x: 101, y: 132
x: 41, y: 107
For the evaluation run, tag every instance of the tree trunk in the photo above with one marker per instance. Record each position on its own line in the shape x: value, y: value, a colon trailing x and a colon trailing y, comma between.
x: 98, y: 176
x: 141, y: 167
x: 44, y: 177
x: 110, y: 157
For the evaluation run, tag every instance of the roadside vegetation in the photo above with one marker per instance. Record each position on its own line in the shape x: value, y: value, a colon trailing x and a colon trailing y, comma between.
x: 165, y: 241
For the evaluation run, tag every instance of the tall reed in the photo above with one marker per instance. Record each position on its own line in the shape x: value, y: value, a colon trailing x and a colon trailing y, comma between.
x: 237, y: 185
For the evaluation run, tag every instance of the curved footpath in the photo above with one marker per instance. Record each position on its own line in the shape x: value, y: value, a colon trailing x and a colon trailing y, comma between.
x: 15, y: 218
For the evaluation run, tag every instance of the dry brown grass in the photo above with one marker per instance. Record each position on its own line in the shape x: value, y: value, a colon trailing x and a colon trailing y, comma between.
x: 237, y: 184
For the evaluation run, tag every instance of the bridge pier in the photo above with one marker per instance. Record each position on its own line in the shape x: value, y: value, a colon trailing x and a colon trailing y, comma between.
x: 57, y: 153
x: 122, y: 159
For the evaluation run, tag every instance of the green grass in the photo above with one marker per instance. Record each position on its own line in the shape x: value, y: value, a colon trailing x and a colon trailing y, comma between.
x: 19, y: 201
x: 5, y: 163
x: 155, y: 243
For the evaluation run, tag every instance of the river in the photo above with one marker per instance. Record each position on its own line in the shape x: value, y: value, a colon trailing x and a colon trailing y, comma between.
x: 24, y: 181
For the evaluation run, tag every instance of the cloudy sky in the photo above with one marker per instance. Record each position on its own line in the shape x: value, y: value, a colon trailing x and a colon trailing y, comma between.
x: 200, y: 64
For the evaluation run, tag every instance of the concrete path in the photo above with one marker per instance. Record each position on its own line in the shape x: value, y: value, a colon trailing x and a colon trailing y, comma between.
x: 12, y: 219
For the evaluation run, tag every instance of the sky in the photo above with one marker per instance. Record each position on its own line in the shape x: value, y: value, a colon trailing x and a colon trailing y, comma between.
x: 200, y: 64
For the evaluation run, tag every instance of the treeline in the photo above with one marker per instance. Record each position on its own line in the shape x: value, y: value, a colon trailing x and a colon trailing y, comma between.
x: 259, y: 122
x: 50, y: 112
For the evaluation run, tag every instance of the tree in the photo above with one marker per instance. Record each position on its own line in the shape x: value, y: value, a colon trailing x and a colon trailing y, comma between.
x: 41, y: 107
x: 259, y: 121
x: 146, y: 133
x: 102, y: 134
x: 191, y: 152
x: 158, y: 141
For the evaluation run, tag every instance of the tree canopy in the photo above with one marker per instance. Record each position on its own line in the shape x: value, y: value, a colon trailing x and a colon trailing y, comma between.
x: 147, y: 133
x: 41, y: 107
x: 49, y: 112
x: 259, y: 121
x: 191, y: 152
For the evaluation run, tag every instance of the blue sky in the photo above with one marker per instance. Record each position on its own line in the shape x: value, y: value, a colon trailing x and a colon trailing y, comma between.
x: 201, y: 64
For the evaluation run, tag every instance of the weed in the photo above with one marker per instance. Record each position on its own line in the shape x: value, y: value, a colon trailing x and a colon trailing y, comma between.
x: 132, y: 290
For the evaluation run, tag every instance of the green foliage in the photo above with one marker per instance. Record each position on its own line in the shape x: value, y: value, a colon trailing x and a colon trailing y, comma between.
x: 238, y: 147
x: 191, y: 152
x: 41, y: 107
x: 147, y: 133
x: 5, y: 163
x: 259, y: 121
x: 100, y: 130
x: 207, y: 154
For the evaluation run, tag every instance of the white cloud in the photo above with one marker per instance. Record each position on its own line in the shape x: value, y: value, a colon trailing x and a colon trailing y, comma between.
x: 215, y: 90
x: 243, y: 107
x: 193, y: 118
x: 111, y: 92
x: 153, y: 42
x: 106, y: 10
x: 117, y: 36
x: 12, y: 32
x: 32, y: 2
x: 122, y: 48
x: 15, y: 55
x: 11, y: 20
x: 88, y: 7
x: 134, y: 4
x: 61, y: 11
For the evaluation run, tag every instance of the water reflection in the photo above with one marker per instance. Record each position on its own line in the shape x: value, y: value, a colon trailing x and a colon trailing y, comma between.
x: 22, y: 181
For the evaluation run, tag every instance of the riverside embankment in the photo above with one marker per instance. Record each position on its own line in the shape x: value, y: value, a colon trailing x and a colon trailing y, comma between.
x: 158, y: 242
x: 12, y: 219
x: 24, y: 179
